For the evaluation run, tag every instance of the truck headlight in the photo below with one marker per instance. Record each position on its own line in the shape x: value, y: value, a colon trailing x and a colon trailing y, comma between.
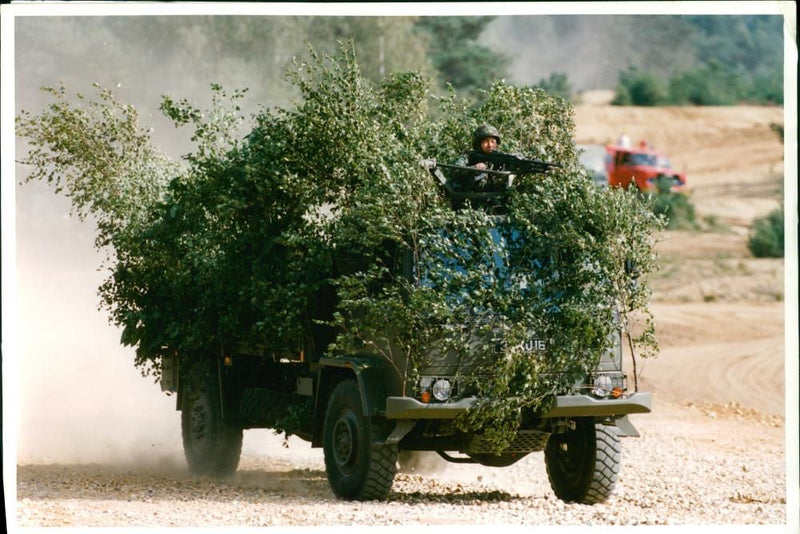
x: 607, y: 386
x: 602, y: 385
x: 442, y: 389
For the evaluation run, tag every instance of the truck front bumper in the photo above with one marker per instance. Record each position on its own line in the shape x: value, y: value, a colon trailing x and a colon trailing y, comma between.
x: 564, y: 406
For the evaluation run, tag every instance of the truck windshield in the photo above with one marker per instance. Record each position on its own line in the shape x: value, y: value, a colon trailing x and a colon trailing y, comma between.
x: 663, y: 161
x: 473, y: 262
x: 641, y: 159
x: 479, y: 258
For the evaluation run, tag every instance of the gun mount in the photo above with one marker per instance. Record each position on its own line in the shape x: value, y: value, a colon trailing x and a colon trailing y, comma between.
x: 461, y: 183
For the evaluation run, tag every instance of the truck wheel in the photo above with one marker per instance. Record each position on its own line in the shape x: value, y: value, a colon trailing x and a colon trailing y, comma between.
x: 357, y: 468
x: 583, y: 463
x: 211, y: 445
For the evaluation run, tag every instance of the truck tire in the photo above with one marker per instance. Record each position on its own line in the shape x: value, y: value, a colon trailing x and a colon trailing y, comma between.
x: 583, y: 463
x: 357, y: 468
x: 212, y: 446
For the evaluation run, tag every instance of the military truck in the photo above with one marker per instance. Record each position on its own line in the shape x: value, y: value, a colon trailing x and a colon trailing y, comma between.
x: 363, y: 409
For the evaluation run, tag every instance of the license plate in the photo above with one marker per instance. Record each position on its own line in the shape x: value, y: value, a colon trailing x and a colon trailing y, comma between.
x: 533, y: 345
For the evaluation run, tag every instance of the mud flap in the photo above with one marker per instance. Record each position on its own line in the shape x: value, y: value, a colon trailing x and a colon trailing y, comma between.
x: 402, y: 428
x: 626, y: 428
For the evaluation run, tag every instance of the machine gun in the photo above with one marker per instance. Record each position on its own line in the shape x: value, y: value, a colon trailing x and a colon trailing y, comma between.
x: 470, y: 182
x: 510, y: 162
x: 482, y: 187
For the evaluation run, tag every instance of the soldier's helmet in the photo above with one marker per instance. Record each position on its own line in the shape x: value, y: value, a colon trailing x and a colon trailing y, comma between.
x: 482, y: 132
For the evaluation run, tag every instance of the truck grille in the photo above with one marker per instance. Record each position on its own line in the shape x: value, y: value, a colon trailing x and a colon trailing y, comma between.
x: 526, y: 441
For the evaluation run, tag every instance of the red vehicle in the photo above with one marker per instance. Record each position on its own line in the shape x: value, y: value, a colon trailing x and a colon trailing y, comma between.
x: 644, y: 167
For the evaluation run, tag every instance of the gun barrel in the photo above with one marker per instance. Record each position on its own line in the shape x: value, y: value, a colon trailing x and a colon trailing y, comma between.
x: 513, y: 163
x: 472, y: 170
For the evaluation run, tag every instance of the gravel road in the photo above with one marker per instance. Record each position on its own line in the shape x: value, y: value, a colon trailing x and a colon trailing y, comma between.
x: 693, y: 464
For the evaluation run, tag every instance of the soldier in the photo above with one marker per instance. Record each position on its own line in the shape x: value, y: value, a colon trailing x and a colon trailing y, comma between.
x: 484, y: 155
x: 485, y: 139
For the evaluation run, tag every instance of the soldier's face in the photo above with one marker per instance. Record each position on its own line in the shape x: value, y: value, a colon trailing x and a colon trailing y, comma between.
x: 489, y: 144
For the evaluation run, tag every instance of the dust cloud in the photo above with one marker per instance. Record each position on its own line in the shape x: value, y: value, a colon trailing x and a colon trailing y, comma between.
x: 421, y: 462
x: 590, y: 49
x: 80, y: 398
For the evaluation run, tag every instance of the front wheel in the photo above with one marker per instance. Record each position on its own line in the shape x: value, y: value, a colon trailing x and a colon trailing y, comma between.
x: 583, y: 463
x: 212, y: 446
x: 357, y: 467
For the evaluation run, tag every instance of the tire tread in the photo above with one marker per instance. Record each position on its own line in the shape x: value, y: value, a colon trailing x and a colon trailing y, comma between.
x: 601, y: 471
x: 223, y: 459
x: 382, y: 459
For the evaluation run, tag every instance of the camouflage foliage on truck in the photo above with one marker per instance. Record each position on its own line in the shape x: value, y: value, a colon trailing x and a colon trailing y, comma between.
x: 235, y: 245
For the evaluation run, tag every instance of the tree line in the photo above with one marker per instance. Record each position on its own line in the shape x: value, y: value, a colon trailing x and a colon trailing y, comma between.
x: 654, y: 60
x: 738, y: 59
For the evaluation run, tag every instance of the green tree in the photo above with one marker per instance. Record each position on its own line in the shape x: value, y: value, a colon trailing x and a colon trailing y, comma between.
x: 638, y: 88
x: 383, y: 44
x: 97, y: 154
x: 676, y: 209
x: 458, y: 58
x: 738, y: 59
x: 766, y: 88
x: 767, y: 235
x: 711, y: 85
x: 746, y: 43
x: 558, y: 84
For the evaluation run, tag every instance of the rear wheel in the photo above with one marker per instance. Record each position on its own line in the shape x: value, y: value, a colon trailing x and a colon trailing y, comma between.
x: 212, y: 446
x: 583, y: 463
x: 358, y: 469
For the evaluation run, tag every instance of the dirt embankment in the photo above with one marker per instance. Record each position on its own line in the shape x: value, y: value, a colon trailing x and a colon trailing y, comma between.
x: 732, y: 156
